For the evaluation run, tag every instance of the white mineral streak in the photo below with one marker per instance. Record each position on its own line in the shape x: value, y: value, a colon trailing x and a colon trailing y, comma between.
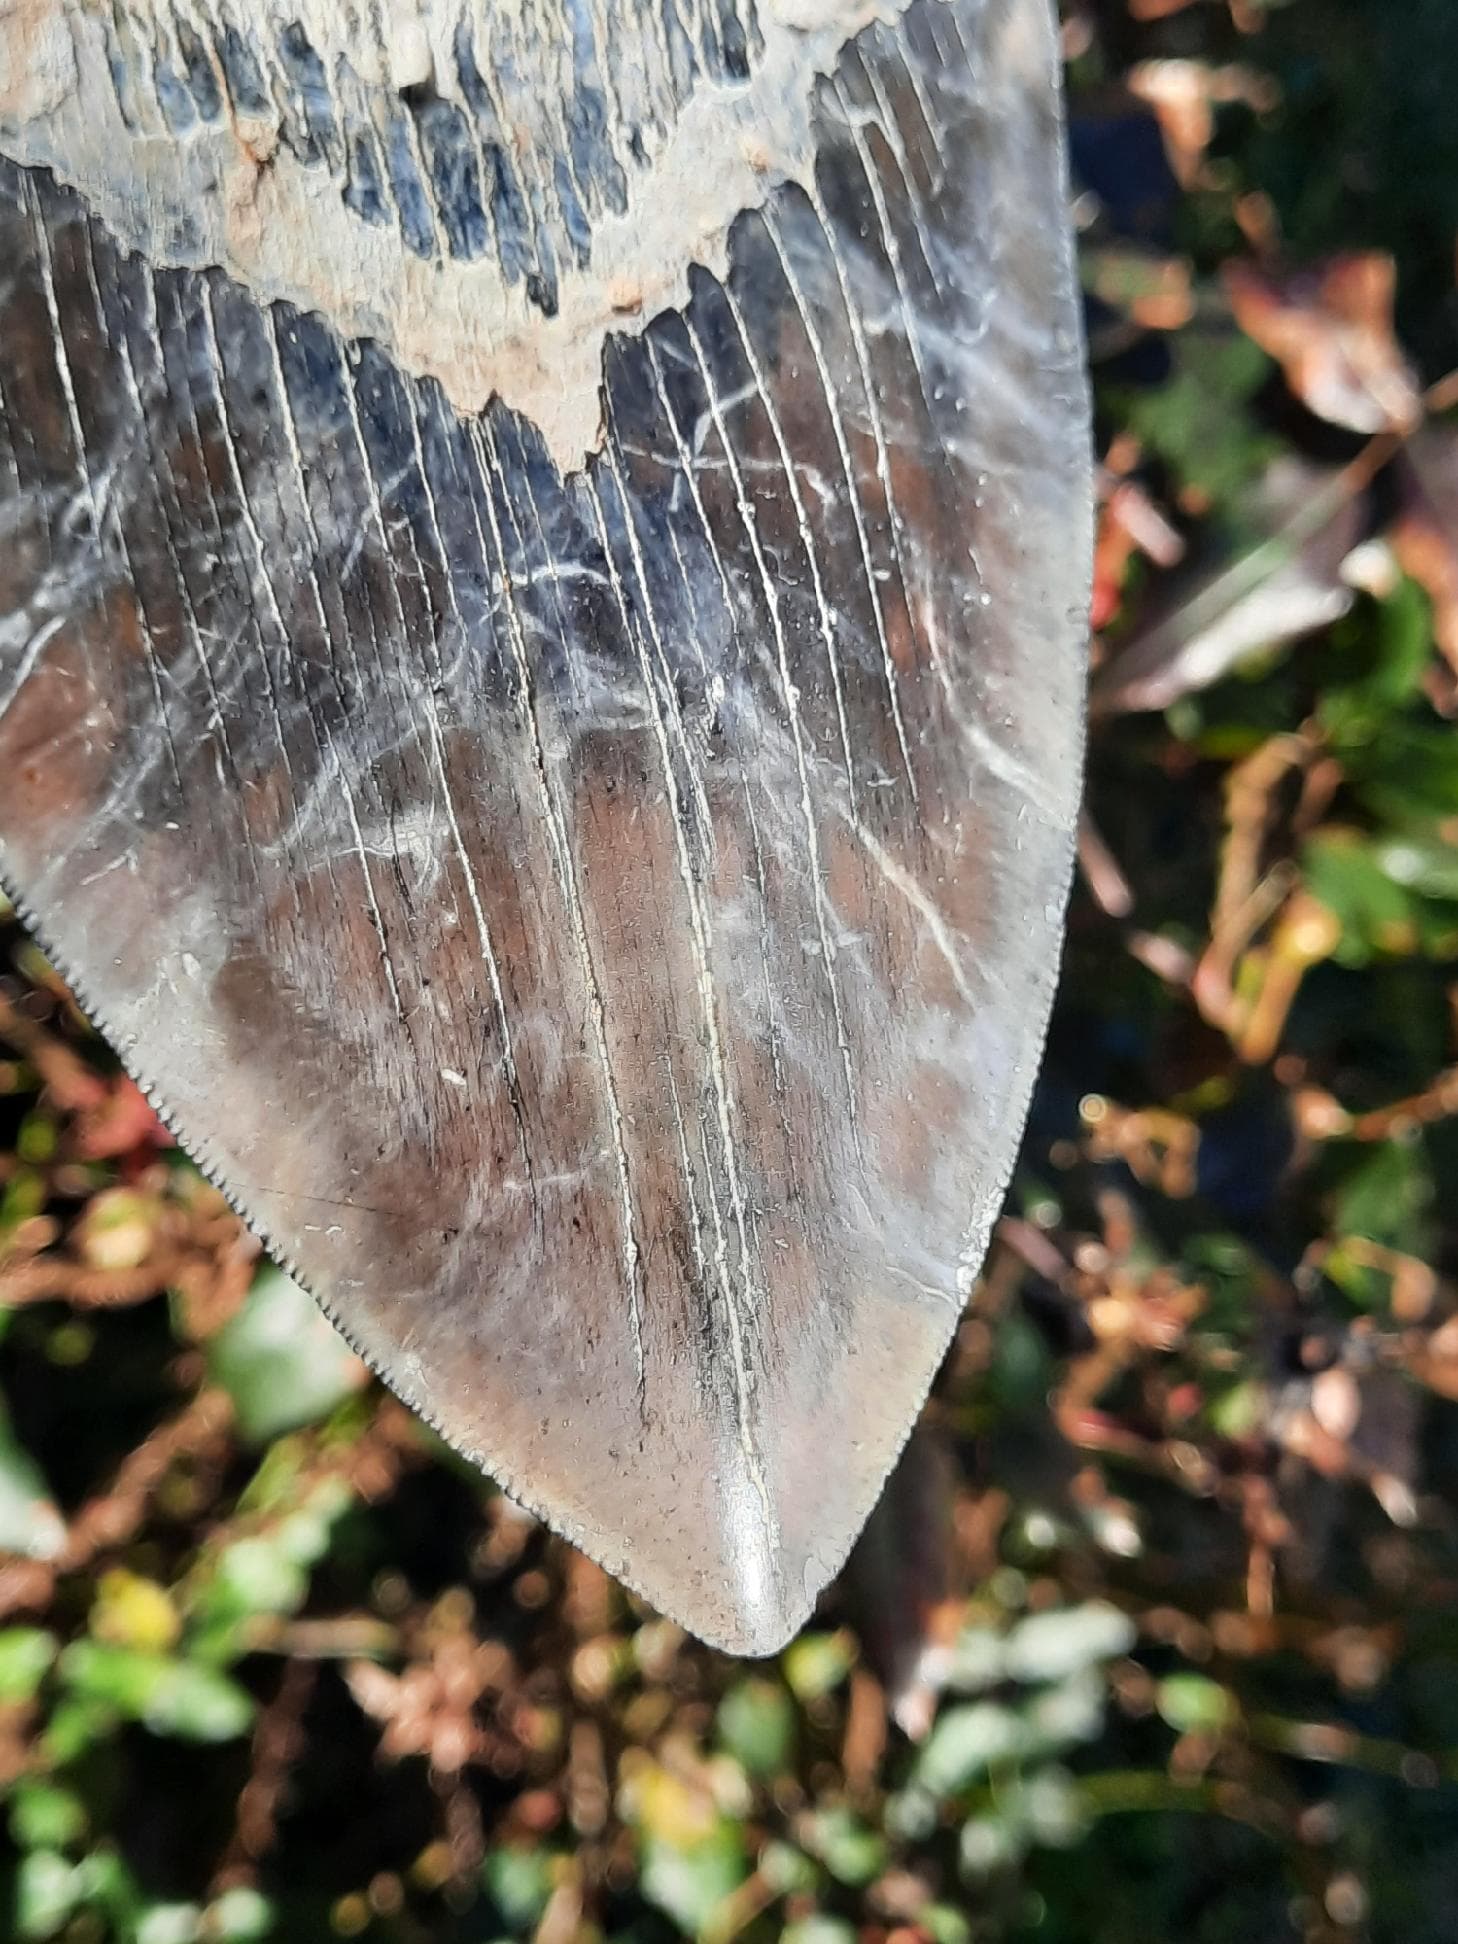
x: 231, y: 194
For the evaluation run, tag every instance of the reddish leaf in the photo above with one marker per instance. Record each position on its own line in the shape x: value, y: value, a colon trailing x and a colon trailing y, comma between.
x: 121, y: 1121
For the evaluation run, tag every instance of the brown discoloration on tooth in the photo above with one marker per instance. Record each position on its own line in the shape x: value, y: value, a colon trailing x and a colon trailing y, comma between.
x: 37, y: 60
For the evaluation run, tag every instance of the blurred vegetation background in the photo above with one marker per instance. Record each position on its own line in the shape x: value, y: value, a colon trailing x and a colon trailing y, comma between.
x: 1156, y: 1636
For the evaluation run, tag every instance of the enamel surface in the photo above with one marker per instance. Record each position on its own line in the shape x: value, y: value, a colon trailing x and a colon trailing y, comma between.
x: 588, y: 887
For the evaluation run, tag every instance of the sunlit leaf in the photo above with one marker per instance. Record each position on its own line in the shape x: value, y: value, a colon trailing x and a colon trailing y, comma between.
x: 26, y: 1654
x: 756, y: 1723
x: 1051, y: 1646
x: 29, y: 1522
x: 816, y: 1664
x: 1057, y: 1718
x: 519, y: 1882
x: 171, y: 1697
x: 133, y: 1611
x: 966, y: 1742
x: 281, y: 1360
x: 818, y: 1930
x: 46, y: 1816
x: 47, y: 1890
x: 851, y: 1851
x: 239, y: 1916
x: 170, y: 1923
x: 1193, y: 1704
x: 690, y: 1881
x: 1378, y: 914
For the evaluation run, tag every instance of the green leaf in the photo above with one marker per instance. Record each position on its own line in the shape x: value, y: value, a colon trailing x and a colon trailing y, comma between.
x: 36, y: 1139
x: 121, y: 1677
x: 818, y: 1930
x: 1386, y: 1195
x: 690, y: 1882
x: 786, y: 1869
x: 1192, y: 1704
x: 44, y: 1816
x: 817, y: 1663
x: 105, y: 1883
x: 264, y: 1574
x: 851, y: 1852
x: 1381, y: 915
x: 258, y: 1576
x: 1054, y: 1808
x: 944, y: 1925
x: 977, y: 1660
x: 966, y: 1742
x: 1200, y: 421
x: 171, y: 1697
x: 1022, y: 1368
x: 912, y: 1814
x: 174, y: 1923
x: 26, y: 1653
x: 239, y: 1916
x: 47, y: 1890
x: 1424, y: 863
x: 990, y: 1843
x: 1051, y: 1646
x: 77, y: 1723
x: 1407, y: 772
x: 518, y: 1882
x: 25, y: 1195
x: 1237, y: 1409
x: 307, y: 1533
x: 1375, y: 663
x: 29, y: 1522
x: 198, y: 1704
x: 1059, y: 1717
x: 281, y: 1360
x: 756, y: 1724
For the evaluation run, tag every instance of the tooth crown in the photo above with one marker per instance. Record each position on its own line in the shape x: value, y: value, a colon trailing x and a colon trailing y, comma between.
x: 599, y: 922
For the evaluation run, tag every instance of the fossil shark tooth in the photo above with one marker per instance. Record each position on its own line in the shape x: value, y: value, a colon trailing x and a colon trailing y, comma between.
x: 542, y: 604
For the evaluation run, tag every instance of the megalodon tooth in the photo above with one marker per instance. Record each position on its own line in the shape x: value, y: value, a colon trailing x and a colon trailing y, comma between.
x: 542, y: 616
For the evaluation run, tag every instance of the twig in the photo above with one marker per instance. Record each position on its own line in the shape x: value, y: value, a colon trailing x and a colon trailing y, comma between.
x: 278, y: 1738
x: 115, y: 1514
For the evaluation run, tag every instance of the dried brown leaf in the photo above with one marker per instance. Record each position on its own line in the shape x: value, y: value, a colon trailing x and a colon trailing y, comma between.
x: 1330, y: 328
x: 1185, y: 95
